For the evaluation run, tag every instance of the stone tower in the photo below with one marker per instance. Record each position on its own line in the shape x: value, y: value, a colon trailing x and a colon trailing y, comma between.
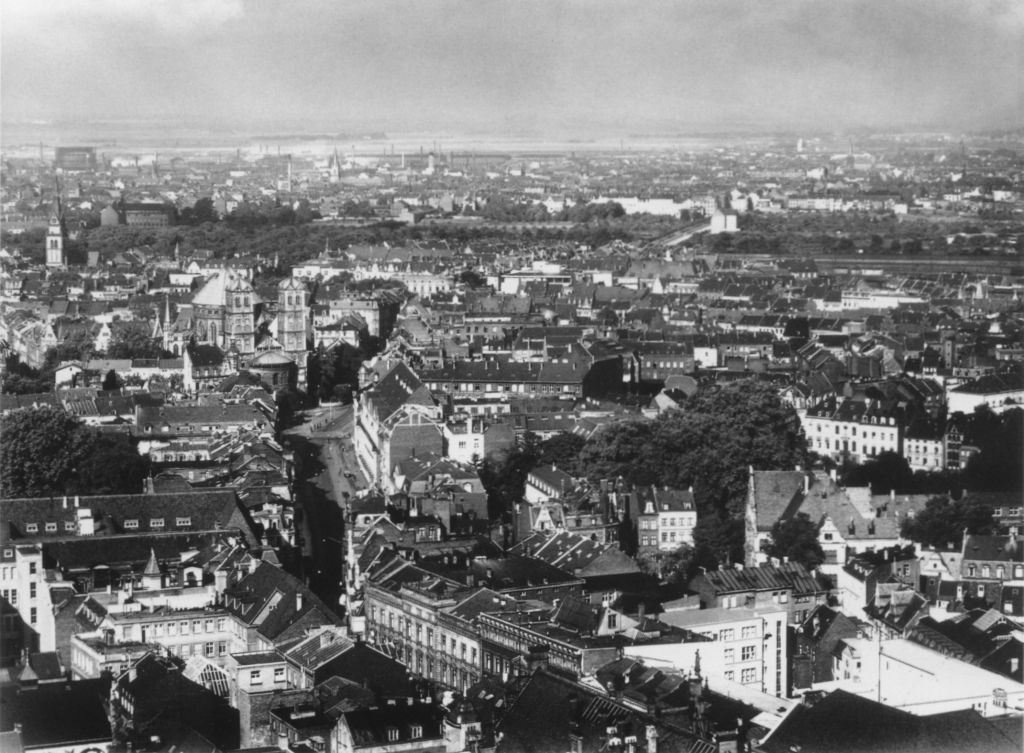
x: 239, y: 315
x: 293, y: 322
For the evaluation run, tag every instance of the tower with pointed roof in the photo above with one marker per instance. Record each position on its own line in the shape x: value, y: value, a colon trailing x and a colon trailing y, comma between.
x: 152, y: 579
x: 55, y: 234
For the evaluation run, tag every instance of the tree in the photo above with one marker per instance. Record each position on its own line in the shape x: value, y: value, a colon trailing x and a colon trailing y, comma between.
x: 133, y: 341
x: 999, y: 466
x: 887, y: 472
x: 796, y: 539
x: 943, y: 521
x: 561, y: 450
x: 708, y: 444
x: 618, y: 451
x: 111, y: 464
x: 111, y: 382
x: 40, y: 453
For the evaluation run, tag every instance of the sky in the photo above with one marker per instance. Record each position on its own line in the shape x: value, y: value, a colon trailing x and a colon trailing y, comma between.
x: 622, y: 66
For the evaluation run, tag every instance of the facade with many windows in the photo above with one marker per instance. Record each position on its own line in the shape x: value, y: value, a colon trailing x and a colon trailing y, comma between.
x: 754, y: 644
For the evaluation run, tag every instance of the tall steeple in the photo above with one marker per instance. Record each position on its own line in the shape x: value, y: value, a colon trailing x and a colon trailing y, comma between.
x: 55, y: 234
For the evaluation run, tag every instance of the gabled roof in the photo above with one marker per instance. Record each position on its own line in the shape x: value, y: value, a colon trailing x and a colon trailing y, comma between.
x: 272, y: 600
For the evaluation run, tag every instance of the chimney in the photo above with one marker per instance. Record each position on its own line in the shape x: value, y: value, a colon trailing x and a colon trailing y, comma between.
x: 76, y: 500
x: 641, y: 611
x: 807, y: 484
x: 65, y: 501
x: 298, y: 601
x: 652, y: 738
x: 833, y: 474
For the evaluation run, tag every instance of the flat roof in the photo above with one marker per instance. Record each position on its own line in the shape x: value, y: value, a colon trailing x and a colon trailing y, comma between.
x: 690, y: 618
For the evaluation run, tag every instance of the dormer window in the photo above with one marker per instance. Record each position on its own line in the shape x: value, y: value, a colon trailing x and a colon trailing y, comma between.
x: 31, y: 528
x: 131, y: 524
x: 156, y: 522
x: 392, y: 734
x: 69, y: 525
x: 51, y: 527
x: 416, y: 731
x: 183, y: 522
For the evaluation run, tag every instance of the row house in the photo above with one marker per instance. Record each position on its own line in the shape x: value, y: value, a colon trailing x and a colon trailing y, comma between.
x: 402, y: 606
x: 853, y: 430
x: 395, y: 418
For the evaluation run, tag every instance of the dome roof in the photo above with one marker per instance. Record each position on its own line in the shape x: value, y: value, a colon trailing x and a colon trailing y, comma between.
x: 271, y: 358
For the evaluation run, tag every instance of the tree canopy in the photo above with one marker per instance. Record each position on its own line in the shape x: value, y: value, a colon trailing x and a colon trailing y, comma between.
x: 944, y: 520
x: 796, y: 539
x: 46, y: 452
x: 134, y: 342
x: 708, y: 444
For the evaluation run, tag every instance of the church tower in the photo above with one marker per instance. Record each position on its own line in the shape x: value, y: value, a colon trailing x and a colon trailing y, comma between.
x: 292, y: 322
x: 55, y: 237
x: 239, y: 316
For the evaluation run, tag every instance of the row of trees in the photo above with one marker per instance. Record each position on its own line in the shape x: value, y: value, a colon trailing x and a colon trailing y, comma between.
x: 46, y: 452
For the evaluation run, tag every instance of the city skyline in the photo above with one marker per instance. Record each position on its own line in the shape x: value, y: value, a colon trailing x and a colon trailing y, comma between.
x: 562, y: 68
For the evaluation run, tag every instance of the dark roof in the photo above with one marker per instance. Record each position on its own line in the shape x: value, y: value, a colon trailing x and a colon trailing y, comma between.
x: 846, y: 723
x: 548, y: 708
x: 206, y: 510
x: 82, y: 715
x: 369, y: 727
x: 993, y: 548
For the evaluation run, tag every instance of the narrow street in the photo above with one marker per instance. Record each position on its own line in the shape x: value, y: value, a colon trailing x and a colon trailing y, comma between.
x: 327, y: 474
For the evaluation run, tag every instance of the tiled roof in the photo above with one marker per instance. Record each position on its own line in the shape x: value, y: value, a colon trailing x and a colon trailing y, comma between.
x: 765, y: 578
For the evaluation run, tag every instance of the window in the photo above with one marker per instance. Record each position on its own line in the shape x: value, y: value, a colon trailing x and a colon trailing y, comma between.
x: 32, y: 590
x: 971, y: 570
x: 730, y: 675
x: 748, y: 631
x: 32, y: 568
x: 210, y: 649
x: 747, y: 653
x: 51, y: 527
x: 986, y: 571
x: 255, y: 677
x: 1018, y: 571
x: 32, y: 615
x: 183, y: 628
x: 131, y: 524
x: 183, y: 522
x: 278, y: 674
x: 69, y: 525
x: 612, y: 620
x: 222, y: 648
x: 208, y: 626
x: 416, y: 731
x: 156, y: 522
x: 730, y: 655
x: 748, y: 676
x: 31, y: 528
x: 1000, y: 572
x: 392, y: 734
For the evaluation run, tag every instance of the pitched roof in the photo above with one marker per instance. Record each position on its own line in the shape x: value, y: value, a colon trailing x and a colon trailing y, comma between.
x: 846, y: 723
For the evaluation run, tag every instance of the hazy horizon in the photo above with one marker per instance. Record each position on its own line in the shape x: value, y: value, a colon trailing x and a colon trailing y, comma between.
x: 567, y: 68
